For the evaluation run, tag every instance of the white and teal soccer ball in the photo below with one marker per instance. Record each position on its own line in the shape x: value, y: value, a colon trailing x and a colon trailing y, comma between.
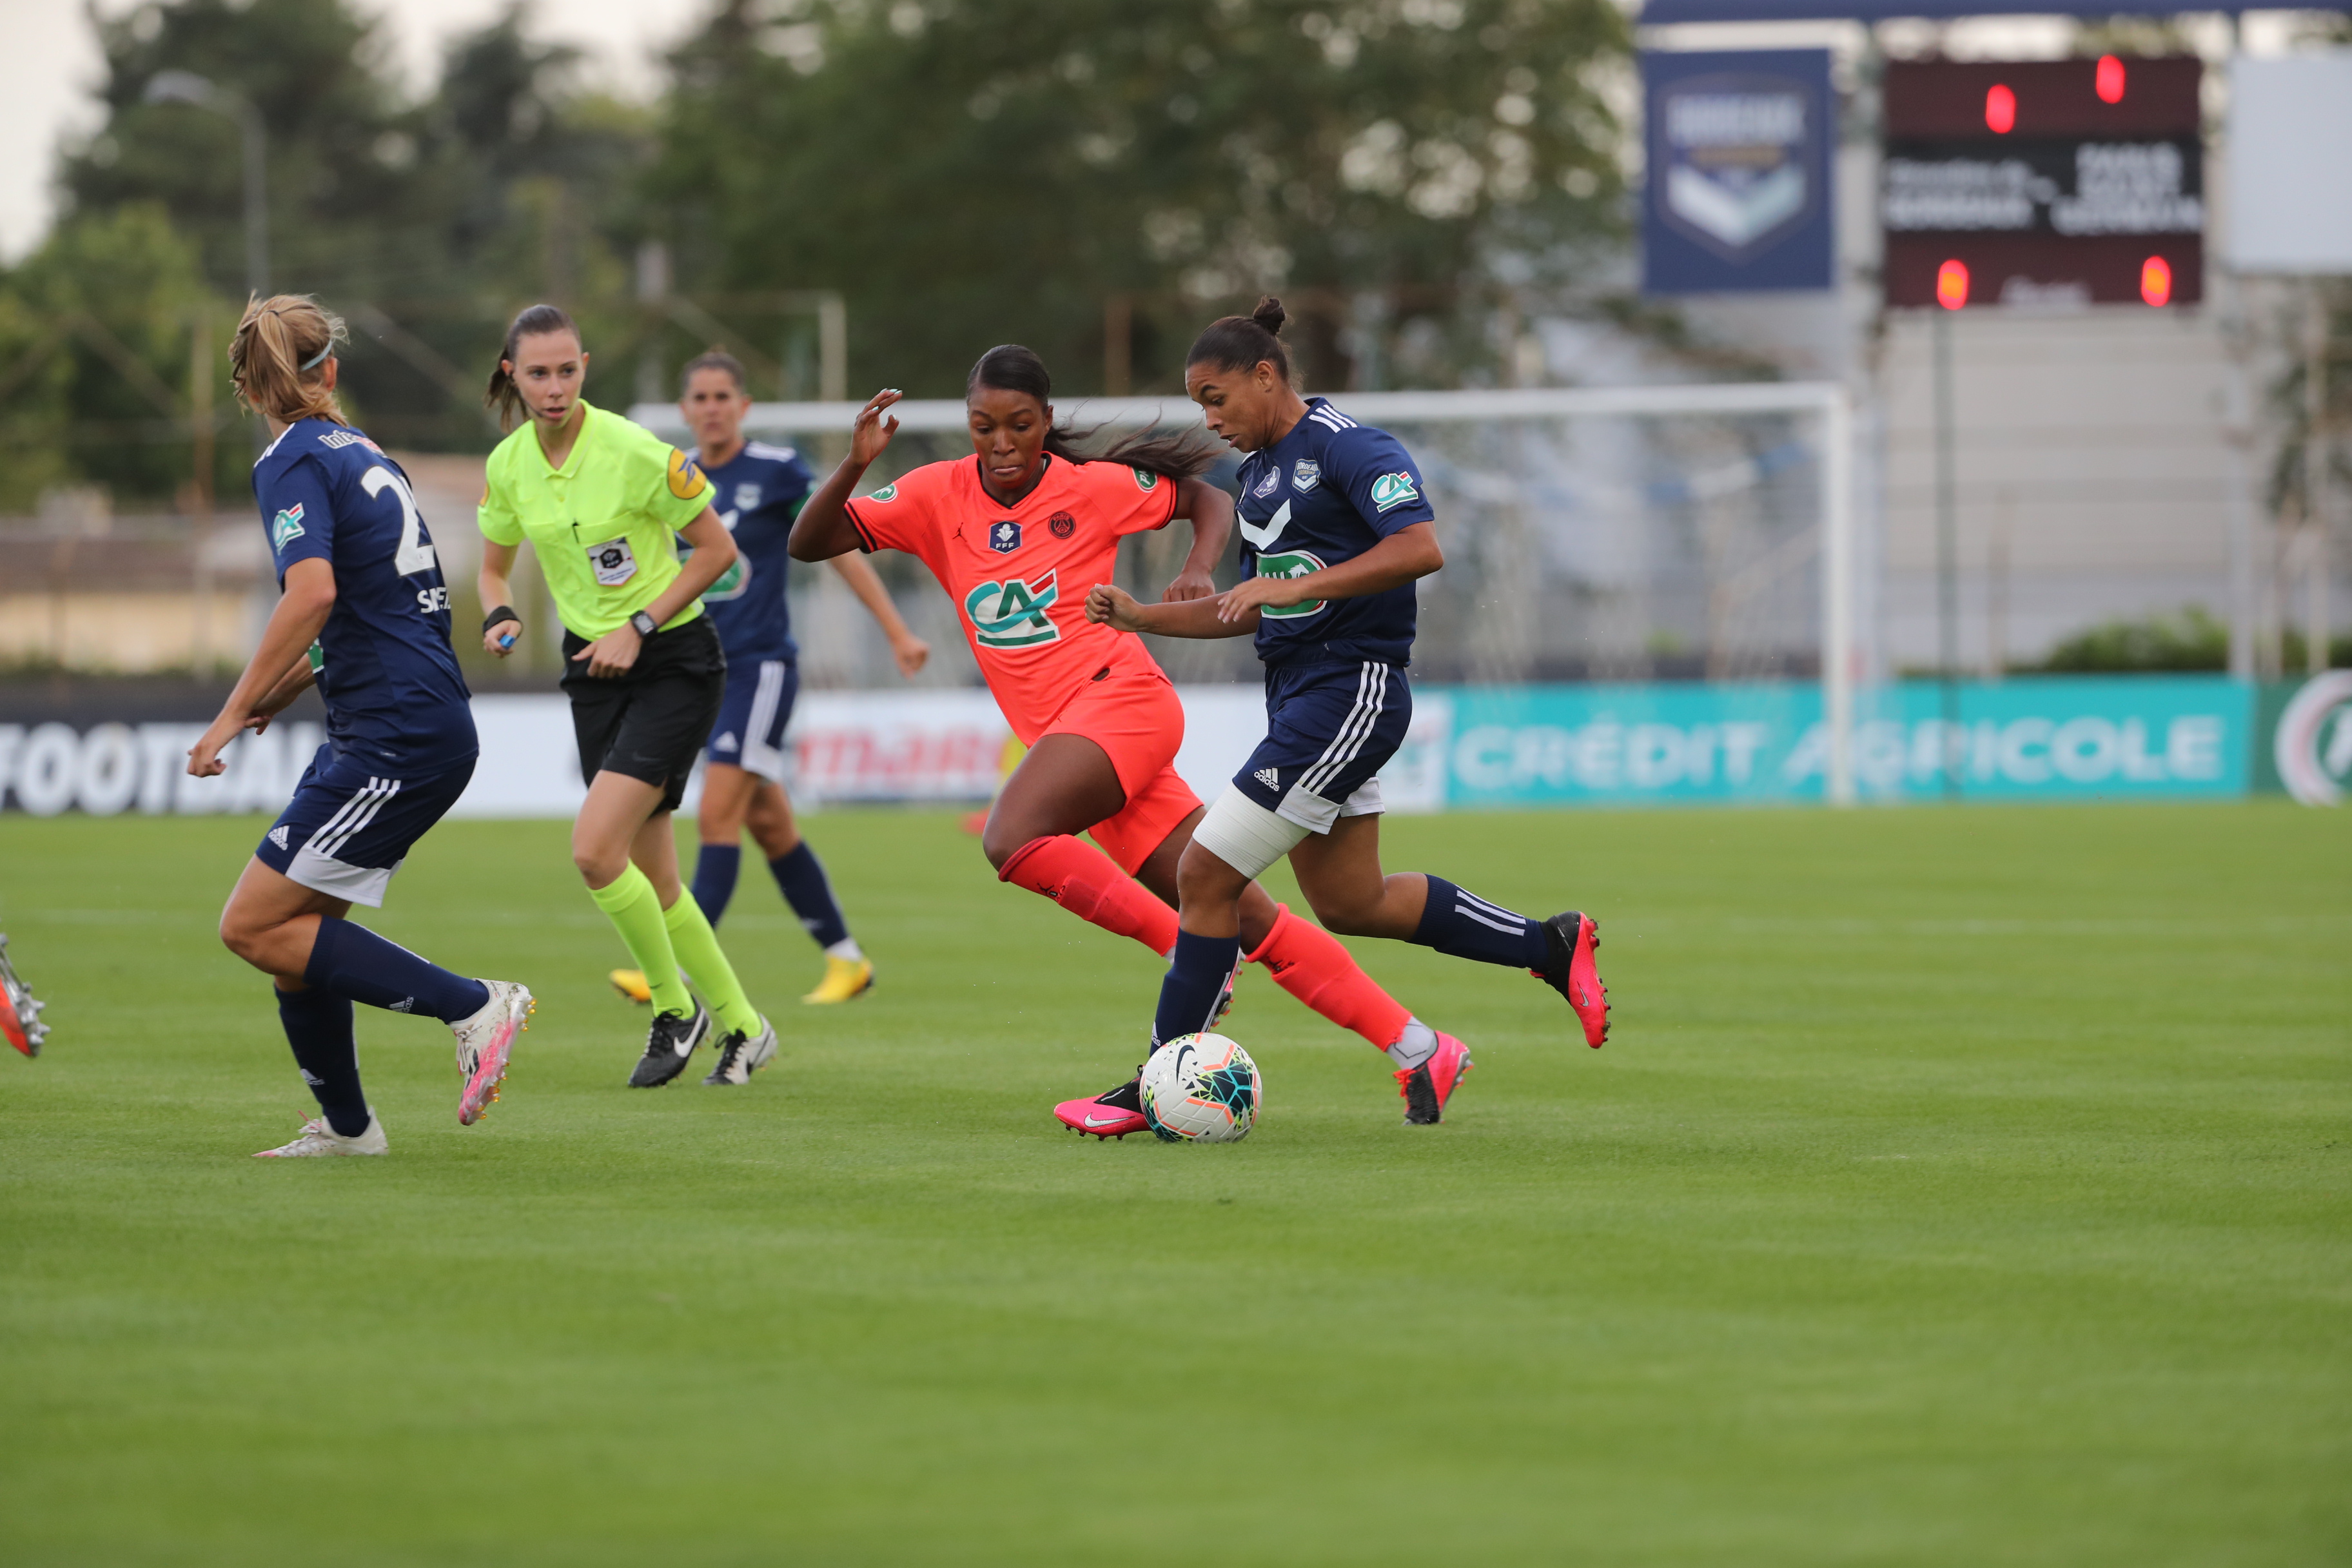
x: 1202, y: 1088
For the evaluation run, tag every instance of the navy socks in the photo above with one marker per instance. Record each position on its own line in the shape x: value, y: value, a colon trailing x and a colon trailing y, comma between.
x: 356, y: 962
x: 714, y: 878
x: 1467, y: 926
x: 1196, y: 978
x: 800, y: 876
x: 318, y: 1026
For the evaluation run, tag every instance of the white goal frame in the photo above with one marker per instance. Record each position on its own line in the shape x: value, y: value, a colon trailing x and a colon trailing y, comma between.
x: 1828, y: 401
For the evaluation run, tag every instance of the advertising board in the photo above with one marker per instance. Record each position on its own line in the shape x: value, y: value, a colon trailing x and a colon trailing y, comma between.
x: 2031, y: 739
x: 1470, y: 747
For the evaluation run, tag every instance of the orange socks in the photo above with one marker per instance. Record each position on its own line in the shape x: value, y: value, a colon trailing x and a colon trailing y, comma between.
x: 1309, y: 962
x: 1304, y: 959
x: 1085, y: 882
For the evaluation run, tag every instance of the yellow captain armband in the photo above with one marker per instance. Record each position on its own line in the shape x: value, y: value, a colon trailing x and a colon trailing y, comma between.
x: 686, y: 481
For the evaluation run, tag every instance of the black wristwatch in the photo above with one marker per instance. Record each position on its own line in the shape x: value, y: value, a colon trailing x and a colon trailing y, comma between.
x: 644, y: 624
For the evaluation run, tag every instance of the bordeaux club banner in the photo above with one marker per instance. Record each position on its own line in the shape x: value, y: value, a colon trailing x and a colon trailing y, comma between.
x: 1737, y: 195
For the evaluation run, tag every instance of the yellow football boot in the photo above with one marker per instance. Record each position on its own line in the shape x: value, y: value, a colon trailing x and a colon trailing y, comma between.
x: 631, y: 982
x: 844, y: 978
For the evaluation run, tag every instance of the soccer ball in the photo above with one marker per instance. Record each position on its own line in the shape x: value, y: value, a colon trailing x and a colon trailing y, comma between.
x: 1202, y: 1088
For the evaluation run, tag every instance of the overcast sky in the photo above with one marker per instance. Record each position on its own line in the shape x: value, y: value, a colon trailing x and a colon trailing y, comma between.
x: 51, y: 61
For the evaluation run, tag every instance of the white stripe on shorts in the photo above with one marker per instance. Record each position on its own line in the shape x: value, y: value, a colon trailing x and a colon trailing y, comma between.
x: 1371, y: 700
x: 326, y: 829
x: 380, y: 790
x: 758, y: 756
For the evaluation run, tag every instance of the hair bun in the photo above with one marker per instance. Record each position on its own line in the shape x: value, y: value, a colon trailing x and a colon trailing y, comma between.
x: 1270, y: 314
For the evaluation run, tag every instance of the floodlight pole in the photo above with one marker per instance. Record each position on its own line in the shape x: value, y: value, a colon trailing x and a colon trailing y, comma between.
x: 1948, y: 562
x: 188, y: 88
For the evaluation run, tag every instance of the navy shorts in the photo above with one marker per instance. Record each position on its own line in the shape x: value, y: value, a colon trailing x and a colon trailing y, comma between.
x: 1330, y: 728
x: 350, y: 824
x: 749, y: 734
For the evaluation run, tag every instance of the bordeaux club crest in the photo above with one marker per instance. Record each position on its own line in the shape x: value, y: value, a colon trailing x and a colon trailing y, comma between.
x: 1738, y: 150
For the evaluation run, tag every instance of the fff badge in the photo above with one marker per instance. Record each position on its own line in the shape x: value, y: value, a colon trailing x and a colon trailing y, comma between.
x: 1737, y: 193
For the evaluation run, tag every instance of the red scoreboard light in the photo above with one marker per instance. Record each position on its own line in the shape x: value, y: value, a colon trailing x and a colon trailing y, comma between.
x: 2046, y: 183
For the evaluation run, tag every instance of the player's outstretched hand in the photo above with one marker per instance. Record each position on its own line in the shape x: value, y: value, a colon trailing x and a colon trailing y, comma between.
x: 611, y: 654
x: 1191, y: 583
x: 1109, y: 605
x: 872, y: 433
x: 911, y: 653
x: 1252, y: 594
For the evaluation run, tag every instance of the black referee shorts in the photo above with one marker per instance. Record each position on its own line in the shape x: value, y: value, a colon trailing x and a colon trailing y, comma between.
x: 651, y: 722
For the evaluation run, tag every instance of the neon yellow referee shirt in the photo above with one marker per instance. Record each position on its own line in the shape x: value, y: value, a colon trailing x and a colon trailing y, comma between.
x: 605, y: 523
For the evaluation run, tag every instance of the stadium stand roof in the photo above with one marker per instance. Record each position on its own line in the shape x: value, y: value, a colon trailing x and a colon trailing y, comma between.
x: 1658, y: 13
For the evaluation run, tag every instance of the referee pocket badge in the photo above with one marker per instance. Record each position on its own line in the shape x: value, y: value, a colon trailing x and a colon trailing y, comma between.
x: 613, y: 562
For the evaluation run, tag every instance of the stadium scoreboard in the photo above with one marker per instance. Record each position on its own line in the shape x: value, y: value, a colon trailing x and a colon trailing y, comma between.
x: 2043, y: 183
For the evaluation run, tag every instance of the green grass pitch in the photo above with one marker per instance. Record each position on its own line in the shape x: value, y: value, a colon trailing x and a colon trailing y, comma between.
x: 1960, y: 1187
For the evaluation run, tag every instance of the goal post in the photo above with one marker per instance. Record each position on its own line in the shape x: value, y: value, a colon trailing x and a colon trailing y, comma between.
x: 1629, y: 532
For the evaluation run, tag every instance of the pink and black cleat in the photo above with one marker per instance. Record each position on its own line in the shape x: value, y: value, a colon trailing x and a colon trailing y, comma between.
x: 1112, y: 1115
x: 484, y: 1042
x: 1575, y: 974
x: 1428, y: 1086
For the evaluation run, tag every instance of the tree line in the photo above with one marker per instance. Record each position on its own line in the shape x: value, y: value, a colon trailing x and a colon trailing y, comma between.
x: 1093, y: 178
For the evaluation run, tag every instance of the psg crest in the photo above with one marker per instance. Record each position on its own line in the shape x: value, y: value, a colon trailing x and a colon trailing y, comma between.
x: 1739, y: 153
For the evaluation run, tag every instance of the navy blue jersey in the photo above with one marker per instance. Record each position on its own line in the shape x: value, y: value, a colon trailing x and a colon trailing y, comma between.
x: 1326, y: 493
x: 392, y: 691
x: 756, y: 494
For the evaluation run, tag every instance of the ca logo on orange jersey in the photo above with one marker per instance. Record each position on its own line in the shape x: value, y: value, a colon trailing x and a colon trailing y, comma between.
x: 1012, y: 614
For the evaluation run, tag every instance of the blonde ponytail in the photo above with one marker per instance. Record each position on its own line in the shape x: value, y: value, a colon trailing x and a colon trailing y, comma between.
x: 279, y: 358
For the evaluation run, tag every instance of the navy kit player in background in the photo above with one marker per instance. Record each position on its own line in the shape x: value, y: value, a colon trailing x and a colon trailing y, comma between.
x: 759, y: 491
x: 365, y: 615
x: 1335, y: 527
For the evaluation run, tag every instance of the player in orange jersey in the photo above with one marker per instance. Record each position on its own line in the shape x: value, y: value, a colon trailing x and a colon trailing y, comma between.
x: 1017, y: 534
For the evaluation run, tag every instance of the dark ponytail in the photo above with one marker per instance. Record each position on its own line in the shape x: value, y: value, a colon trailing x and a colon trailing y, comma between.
x: 502, y: 394
x: 1179, y: 454
x: 1242, y: 342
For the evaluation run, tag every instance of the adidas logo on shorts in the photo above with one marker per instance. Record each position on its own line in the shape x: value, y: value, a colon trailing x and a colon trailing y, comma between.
x: 1268, y: 777
x: 278, y: 836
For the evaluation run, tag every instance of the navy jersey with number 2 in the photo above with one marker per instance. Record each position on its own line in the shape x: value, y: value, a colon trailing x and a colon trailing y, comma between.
x: 394, y: 694
x: 756, y: 494
x: 1325, y: 493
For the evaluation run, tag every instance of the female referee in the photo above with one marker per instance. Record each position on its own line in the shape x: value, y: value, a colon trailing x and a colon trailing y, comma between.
x: 760, y: 488
x: 602, y: 501
x: 1335, y: 527
x: 364, y: 613
x: 1002, y: 531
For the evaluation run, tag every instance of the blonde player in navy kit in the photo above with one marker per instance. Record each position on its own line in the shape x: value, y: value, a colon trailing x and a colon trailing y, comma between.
x: 759, y: 490
x: 1335, y: 527
x: 357, y: 573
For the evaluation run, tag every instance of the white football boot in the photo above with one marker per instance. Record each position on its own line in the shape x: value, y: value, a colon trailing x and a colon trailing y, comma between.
x: 483, y: 1043
x: 742, y: 1055
x: 318, y: 1140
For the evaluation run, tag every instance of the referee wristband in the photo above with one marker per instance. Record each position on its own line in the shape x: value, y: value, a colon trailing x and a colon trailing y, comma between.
x: 503, y: 613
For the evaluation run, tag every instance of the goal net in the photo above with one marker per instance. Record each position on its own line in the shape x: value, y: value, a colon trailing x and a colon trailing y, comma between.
x: 1618, y: 535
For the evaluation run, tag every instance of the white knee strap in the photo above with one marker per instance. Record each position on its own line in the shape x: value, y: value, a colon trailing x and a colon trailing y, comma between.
x: 1244, y: 834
